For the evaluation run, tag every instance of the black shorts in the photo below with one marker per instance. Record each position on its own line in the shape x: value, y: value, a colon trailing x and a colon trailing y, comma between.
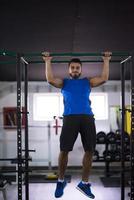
x: 74, y: 124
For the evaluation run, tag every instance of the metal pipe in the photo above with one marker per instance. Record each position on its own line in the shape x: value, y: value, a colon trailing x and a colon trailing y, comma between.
x: 128, y: 58
x: 66, y: 61
x: 30, y: 126
x: 70, y: 54
x: 122, y: 131
x: 13, y: 159
x: 19, y: 135
x: 24, y: 61
x: 8, y: 53
x: 10, y: 159
x: 132, y: 132
x: 118, y: 54
x: 26, y: 131
x: 57, y: 61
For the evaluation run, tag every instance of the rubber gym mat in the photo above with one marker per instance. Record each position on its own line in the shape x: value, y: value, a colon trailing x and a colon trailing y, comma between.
x: 43, y: 179
x: 112, y: 181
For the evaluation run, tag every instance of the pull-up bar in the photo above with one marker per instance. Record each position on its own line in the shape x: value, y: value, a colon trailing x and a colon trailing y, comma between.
x: 117, y: 54
x: 8, y: 53
x: 55, y: 61
x: 28, y: 57
x: 69, y: 54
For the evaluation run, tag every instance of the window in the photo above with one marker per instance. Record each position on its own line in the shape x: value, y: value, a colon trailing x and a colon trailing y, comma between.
x: 48, y: 105
x: 99, y: 104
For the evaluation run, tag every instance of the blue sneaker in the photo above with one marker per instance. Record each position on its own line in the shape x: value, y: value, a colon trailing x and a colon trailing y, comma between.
x: 60, y: 188
x: 85, y: 189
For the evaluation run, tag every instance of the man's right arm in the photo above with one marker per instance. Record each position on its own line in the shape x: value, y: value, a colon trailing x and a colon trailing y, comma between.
x: 49, y: 73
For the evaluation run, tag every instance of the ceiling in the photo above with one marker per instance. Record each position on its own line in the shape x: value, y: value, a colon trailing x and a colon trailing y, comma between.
x: 65, y: 26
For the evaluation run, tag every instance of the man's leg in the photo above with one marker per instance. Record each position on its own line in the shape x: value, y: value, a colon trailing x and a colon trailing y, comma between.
x: 70, y: 126
x: 62, y: 162
x: 88, y: 136
x: 84, y: 186
x: 87, y: 164
x: 61, y: 183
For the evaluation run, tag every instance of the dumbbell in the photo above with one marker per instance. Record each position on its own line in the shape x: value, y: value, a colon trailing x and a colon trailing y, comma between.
x: 127, y: 156
x: 126, y: 137
x: 96, y: 155
x: 127, y: 147
x: 118, y: 147
x: 111, y: 137
x: 101, y: 137
x: 117, y: 155
x: 108, y: 155
x: 118, y: 137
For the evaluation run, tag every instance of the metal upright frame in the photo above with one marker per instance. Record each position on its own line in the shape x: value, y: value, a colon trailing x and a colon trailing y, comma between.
x: 26, y: 130
x: 25, y: 160
x: 132, y: 131
x: 131, y: 62
x: 19, y: 131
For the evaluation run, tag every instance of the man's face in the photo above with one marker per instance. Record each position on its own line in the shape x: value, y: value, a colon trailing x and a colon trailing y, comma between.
x: 75, y: 70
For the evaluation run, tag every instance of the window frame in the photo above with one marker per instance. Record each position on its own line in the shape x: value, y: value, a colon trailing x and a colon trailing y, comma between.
x: 61, y: 106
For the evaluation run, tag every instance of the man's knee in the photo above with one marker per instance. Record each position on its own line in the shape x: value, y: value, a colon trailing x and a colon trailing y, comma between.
x: 89, y: 154
x: 64, y: 153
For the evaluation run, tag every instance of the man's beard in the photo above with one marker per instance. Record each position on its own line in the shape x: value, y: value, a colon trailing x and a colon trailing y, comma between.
x: 75, y: 76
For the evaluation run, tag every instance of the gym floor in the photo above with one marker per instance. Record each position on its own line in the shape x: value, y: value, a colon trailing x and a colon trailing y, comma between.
x: 45, y: 191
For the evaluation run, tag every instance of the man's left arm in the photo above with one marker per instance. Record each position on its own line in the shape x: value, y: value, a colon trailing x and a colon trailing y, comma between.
x: 98, y: 80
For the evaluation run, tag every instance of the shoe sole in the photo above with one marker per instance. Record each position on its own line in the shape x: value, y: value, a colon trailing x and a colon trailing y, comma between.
x: 84, y: 193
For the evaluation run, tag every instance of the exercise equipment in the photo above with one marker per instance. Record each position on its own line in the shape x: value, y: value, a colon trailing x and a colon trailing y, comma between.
x: 117, y: 156
x: 127, y: 156
x: 127, y: 147
x: 112, y: 155
x: 118, y: 137
x: 126, y: 137
x: 101, y: 137
x: 3, y: 185
x: 56, y: 126
x: 19, y: 60
x: 38, y: 57
x: 108, y: 155
x: 111, y: 137
x: 96, y: 156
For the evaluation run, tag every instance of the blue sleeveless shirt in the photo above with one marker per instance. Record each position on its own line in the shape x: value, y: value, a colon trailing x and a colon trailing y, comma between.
x: 76, y: 94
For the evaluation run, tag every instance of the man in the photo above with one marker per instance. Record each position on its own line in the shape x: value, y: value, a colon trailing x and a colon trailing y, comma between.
x: 77, y: 117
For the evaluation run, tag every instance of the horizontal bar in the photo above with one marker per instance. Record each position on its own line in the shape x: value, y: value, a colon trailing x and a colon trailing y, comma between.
x: 68, y: 54
x: 30, y: 150
x: 66, y: 61
x: 7, y: 63
x: 13, y: 159
x: 57, y: 61
x: 7, y: 159
x: 118, y: 54
x: 8, y: 53
x: 8, y: 171
x: 14, y: 170
x: 29, y: 126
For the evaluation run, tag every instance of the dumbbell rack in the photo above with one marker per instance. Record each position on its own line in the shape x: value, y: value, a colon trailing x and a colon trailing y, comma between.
x: 102, y: 159
x: 112, y: 150
x: 113, y: 158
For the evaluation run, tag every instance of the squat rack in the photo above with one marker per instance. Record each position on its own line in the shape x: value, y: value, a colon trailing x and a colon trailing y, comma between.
x: 28, y: 59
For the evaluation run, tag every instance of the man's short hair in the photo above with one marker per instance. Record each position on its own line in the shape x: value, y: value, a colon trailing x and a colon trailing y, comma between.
x: 75, y: 60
